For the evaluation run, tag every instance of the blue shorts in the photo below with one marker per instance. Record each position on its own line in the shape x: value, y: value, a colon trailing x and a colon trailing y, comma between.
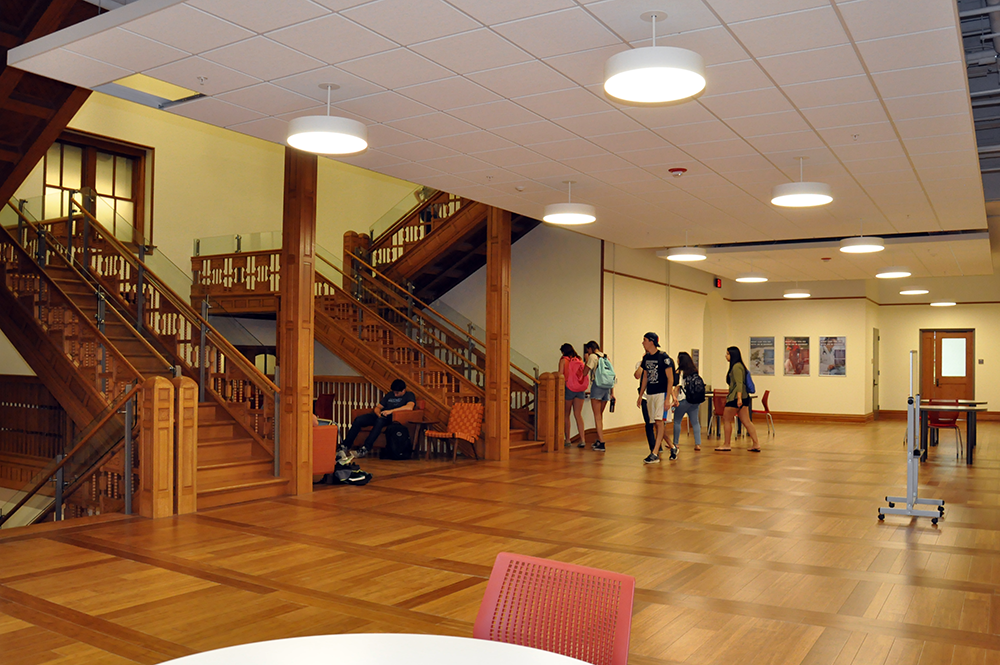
x: 600, y: 394
x: 571, y: 395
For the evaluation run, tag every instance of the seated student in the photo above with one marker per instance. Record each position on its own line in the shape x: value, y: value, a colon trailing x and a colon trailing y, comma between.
x: 400, y: 399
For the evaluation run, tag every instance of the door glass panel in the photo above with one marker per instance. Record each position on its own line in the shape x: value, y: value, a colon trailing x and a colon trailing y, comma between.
x: 106, y: 212
x: 953, y: 356
x: 105, y: 181
x: 53, y: 162
x: 123, y: 177
x: 72, y: 167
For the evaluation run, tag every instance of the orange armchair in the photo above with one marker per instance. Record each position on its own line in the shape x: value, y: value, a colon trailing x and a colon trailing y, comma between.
x: 324, y: 449
x: 465, y: 423
x: 401, y: 417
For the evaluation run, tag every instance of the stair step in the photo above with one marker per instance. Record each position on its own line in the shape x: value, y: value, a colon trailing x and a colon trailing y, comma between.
x: 224, y: 450
x: 213, y: 474
x: 517, y: 435
x: 224, y: 495
x: 526, y: 448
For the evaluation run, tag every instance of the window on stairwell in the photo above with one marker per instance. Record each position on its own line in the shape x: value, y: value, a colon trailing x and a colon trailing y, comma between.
x: 109, y: 177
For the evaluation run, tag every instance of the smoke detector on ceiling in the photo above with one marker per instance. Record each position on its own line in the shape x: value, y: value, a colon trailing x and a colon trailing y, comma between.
x: 677, y: 172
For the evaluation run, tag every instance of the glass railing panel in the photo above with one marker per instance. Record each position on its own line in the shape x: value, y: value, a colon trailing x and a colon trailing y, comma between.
x: 530, y: 367
x: 404, y: 206
x: 236, y: 243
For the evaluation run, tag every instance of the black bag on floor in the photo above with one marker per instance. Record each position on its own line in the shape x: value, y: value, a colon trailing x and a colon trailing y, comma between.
x: 397, y: 443
x: 350, y: 474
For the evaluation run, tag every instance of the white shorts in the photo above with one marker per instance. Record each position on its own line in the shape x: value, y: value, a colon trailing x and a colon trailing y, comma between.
x: 654, y: 405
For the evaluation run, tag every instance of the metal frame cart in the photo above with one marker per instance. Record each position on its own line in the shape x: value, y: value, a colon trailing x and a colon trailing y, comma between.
x: 912, y: 466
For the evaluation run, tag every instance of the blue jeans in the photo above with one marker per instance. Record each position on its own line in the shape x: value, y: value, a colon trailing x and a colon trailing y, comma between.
x: 691, y: 410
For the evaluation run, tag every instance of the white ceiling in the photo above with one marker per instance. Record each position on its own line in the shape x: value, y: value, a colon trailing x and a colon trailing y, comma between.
x: 501, y: 101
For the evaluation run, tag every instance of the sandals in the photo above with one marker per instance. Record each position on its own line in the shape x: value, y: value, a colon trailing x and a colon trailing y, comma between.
x: 753, y: 450
x: 723, y: 450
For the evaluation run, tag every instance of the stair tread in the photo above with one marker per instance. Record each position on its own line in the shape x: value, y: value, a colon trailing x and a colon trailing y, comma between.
x: 223, y: 441
x: 244, y: 461
x: 220, y: 487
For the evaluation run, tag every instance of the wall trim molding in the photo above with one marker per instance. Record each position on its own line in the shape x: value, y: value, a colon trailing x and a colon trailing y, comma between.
x: 654, y: 281
x: 842, y: 418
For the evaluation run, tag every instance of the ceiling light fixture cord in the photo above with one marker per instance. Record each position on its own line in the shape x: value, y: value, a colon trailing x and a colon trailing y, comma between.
x: 654, y: 29
x: 801, y: 177
x: 328, y: 89
x: 569, y: 191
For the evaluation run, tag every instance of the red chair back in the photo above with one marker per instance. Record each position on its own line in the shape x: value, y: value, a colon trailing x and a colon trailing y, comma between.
x: 324, y: 406
x: 763, y: 400
x: 719, y: 401
x: 583, y: 613
x: 943, y: 418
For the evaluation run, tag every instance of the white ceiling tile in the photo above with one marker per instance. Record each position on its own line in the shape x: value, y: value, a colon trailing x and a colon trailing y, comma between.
x: 126, y: 50
x: 606, y: 122
x: 936, y: 126
x: 261, y: 15
x: 214, y: 78
x: 817, y: 64
x: 585, y: 67
x: 263, y: 59
x: 854, y: 151
x: 926, y: 48
x: 472, y: 51
x: 825, y: 117
x: 411, y: 21
x: 824, y: 92
x: 527, y: 78
x: 188, y: 29
x: 457, y: 164
x: 420, y: 151
x: 384, y: 136
x: 557, y: 33
x: 732, y: 11
x: 594, y: 164
x: 921, y: 80
x: 74, y: 68
x: 765, y: 124
x: 450, y: 93
x: 753, y: 102
x: 268, y: 129
x: 789, y: 33
x: 490, y: 12
x: 395, y: 69
x: 620, y: 176
x: 562, y: 103
x: 655, y: 117
x: 740, y: 163
x: 410, y: 171
x: 495, y: 114
x: 942, y: 143
x: 941, y: 103
x: 433, y: 125
x: 546, y: 169
x: 475, y: 142
x: 876, y: 165
x: 730, y: 148
x: 623, y: 16
x: 879, y: 131
x: 215, y: 112
x: 385, y: 107
x: 665, y: 154
x: 641, y: 139
x: 332, y: 39
x: 714, y: 45
x: 268, y: 99
x: 943, y: 159
x: 338, y: 5
x: 308, y: 84
x: 734, y: 77
x: 514, y: 156
x: 872, y: 19
x: 701, y: 132
x: 372, y: 159
x: 561, y: 150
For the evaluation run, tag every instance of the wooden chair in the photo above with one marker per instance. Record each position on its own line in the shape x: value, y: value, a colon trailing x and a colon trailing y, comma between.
x: 939, y: 420
x: 766, y: 412
x: 583, y: 613
x: 465, y: 423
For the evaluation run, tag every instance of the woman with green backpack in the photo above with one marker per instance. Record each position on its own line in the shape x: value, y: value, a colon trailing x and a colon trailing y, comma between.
x: 602, y: 387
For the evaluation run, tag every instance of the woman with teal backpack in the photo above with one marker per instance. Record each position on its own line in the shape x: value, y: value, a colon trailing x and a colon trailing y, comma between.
x: 602, y: 386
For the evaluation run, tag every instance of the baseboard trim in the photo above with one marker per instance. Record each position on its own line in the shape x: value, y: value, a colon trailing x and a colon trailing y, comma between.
x: 842, y: 418
x: 900, y: 414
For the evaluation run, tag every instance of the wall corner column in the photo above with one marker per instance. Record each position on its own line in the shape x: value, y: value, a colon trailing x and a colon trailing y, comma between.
x: 497, y: 423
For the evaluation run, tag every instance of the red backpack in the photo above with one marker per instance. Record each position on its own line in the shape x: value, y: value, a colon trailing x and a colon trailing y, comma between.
x: 577, y: 376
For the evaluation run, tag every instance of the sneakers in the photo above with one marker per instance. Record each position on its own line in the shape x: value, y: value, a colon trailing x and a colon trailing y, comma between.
x: 582, y: 444
x: 599, y: 446
x: 652, y: 459
x: 673, y: 452
x: 362, y: 452
x: 344, y: 456
x: 567, y: 443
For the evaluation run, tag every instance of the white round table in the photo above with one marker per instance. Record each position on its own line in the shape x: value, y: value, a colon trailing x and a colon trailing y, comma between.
x: 377, y: 649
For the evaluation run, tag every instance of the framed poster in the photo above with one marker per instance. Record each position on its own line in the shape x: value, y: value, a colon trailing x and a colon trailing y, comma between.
x: 696, y: 358
x: 796, y: 356
x: 833, y: 356
x: 761, y: 356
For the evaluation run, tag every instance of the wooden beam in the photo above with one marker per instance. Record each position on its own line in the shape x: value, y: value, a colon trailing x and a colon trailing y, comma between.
x: 295, y: 319
x: 497, y: 422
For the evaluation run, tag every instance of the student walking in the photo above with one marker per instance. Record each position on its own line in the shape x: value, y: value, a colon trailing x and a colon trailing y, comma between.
x: 650, y: 427
x: 657, y: 384
x: 693, y: 388
x: 737, y: 401
x: 602, y: 386
x: 577, y: 380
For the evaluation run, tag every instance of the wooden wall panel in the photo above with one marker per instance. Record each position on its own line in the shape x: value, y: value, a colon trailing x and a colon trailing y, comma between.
x: 185, y: 445
x: 156, y: 448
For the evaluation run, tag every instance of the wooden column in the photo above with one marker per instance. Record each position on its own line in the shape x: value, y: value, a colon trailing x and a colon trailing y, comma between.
x: 186, y: 445
x: 156, y: 448
x: 295, y: 319
x: 497, y: 423
x: 546, y: 408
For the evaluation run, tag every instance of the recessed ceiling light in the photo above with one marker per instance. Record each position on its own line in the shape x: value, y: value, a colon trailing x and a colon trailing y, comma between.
x: 893, y: 272
x: 942, y: 304
x: 914, y: 292
x: 569, y: 213
x: 797, y: 293
x: 682, y: 254
x: 751, y: 277
x: 654, y: 74
x: 801, y: 194
x: 327, y: 134
x: 862, y: 245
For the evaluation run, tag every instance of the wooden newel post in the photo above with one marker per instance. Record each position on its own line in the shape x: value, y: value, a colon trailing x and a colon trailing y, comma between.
x: 156, y: 449
x: 547, y: 406
x: 560, y: 402
x: 186, y: 445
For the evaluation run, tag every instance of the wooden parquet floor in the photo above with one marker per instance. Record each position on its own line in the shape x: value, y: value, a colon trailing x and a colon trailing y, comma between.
x: 740, y: 558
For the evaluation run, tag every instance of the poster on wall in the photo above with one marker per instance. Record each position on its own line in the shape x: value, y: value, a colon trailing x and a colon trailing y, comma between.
x: 696, y: 357
x: 796, y: 356
x: 762, y: 356
x: 833, y: 356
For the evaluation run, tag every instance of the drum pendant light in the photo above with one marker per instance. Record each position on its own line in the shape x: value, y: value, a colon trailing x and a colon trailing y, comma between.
x: 751, y: 277
x: 683, y: 254
x: 801, y: 194
x: 327, y: 134
x: 569, y: 213
x: 862, y: 244
x: 654, y: 74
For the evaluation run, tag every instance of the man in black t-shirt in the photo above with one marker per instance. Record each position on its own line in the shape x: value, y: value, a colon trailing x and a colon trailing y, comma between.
x: 657, y: 384
x: 400, y: 399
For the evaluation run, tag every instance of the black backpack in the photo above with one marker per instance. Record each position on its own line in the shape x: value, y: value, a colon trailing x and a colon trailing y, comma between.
x: 397, y: 443
x: 694, y: 389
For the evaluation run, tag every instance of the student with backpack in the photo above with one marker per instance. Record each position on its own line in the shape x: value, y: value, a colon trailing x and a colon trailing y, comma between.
x: 693, y: 388
x: 658, y: 384
x: 602, y: 386
x: 738, y: 400
x: 577, y: 381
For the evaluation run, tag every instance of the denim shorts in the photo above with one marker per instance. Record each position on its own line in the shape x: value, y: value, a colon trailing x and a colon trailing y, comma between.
x: 571, y: 395
x: 600, y: 394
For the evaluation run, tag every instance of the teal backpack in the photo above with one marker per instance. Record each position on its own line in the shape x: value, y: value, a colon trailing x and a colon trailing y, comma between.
x: 604, y: 373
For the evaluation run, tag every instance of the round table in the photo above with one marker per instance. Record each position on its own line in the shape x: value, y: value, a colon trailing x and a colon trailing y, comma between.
x: 377, y: 649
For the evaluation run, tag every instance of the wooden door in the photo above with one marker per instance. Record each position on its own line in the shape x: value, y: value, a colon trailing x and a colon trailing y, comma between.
x: 947, y: 364
x: 875, y: 350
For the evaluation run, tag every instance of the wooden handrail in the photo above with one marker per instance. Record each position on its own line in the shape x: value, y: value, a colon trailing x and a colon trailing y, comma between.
x: 405, y: 219
x: 110, y: 411
x: 235, y: 356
